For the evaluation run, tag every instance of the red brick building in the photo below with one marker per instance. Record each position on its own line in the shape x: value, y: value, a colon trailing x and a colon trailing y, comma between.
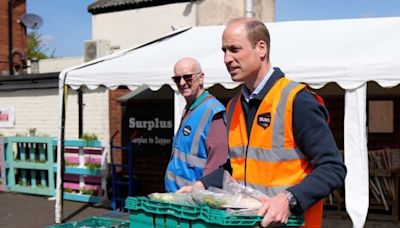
x: 18, y: 32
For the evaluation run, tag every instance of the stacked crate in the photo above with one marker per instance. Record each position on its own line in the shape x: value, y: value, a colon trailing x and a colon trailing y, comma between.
x: 145, y: 212
x: 2, y: 168
x: 85, y: 171
x: 29, y: 165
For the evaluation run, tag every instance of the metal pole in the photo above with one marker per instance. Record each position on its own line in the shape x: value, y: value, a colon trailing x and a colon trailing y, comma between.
x: 59, y: 207
x: 249, y: 13
x: 80, y: 111
x: 10, y: 38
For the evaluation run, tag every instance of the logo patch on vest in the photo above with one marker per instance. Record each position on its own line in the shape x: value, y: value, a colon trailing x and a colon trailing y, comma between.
x: 264, y: 119
x: 186, y: 130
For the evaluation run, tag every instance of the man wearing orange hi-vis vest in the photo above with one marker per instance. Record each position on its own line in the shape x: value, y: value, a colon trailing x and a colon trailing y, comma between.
x: 278, y: 136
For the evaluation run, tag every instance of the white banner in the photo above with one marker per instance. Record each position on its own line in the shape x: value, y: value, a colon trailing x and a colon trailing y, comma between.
x: 7, y: 116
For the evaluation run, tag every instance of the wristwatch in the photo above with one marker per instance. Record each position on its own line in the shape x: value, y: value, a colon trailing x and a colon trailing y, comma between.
x: 291, y: 199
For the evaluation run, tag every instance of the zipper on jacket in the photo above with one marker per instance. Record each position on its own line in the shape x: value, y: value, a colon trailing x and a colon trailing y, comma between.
x: 245, y: 160
x: 245, y: 165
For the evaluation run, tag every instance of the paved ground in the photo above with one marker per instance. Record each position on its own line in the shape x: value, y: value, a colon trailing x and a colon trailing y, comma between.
x: 333, y: 219
x: 29, y: 211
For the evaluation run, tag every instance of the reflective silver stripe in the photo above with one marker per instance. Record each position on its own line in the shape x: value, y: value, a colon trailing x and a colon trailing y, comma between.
x: 279, y: 117
x: 237, y: 152
x: 272, y: 155
x: 230, y: 112
x: 269, y: 191
x: 177, y: 179
x: 196, y: 138
x: 189, y: 159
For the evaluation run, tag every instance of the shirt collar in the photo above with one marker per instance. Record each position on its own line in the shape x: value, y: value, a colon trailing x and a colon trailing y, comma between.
x: 246, y: 92
x: 199, y: 100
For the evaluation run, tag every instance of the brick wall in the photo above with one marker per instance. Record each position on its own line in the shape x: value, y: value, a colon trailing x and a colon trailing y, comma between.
x: 19, y: 31
x: 115, y: 117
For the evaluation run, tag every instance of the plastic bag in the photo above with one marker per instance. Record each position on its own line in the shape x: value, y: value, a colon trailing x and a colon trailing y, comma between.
x: 221, y: 198
x: 184, y: 198
x: 252, y: 199
x: 216, y: 198
x: 239, y: 199
x: 232, y: 186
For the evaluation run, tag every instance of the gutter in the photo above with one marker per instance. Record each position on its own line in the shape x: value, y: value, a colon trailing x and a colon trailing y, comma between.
x: 10, y: 39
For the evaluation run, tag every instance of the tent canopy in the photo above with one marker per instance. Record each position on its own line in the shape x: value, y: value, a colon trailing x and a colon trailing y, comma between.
x: 349, y: 52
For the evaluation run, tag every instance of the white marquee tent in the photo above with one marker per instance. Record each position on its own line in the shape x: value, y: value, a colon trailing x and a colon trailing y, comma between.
x: 349, y: 52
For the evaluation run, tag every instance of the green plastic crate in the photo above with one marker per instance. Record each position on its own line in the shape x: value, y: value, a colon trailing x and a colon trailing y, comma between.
x: 145, y: 212
x: 95, y: 222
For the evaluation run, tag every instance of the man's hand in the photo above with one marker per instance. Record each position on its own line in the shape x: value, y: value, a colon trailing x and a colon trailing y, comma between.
x: 189, y: 188
x: 275, y: 210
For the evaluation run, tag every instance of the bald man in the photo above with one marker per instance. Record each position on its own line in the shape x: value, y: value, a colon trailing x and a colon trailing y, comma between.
x: 200, y: 145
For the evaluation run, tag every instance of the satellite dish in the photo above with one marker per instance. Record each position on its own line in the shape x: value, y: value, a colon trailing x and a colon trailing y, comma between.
x: 31, y: 21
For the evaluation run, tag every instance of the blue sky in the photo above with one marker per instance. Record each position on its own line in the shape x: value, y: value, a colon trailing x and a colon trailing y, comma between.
x: 67, y: 23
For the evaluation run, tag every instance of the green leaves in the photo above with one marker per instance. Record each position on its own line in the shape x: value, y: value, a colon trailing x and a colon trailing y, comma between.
x: 36, y: 46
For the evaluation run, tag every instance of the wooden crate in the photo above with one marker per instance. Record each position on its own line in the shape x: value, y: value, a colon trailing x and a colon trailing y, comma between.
x: 29, y: 165
x: 2, y: 168
x: 85, y: 171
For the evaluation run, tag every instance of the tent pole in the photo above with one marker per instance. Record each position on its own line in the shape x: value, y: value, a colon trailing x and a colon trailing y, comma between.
x: 356, y: 155
x: 60, y: 160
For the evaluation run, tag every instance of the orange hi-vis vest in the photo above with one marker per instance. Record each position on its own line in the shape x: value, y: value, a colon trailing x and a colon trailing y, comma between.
x: 269, y: 160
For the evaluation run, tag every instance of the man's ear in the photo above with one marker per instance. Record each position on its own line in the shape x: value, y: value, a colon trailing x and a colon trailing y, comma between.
x: 201, y: 78
x: 262, y: 49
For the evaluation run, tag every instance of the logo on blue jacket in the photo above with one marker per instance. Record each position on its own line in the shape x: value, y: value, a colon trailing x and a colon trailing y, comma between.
x: 186, y: 130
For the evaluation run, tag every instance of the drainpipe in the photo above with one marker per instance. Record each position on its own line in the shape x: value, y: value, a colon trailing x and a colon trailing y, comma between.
x: 249, y: 13
x: 10, y: 39
x: 80, y: 111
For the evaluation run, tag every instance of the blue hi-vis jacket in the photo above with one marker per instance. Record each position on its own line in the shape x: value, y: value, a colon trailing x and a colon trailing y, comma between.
x: 189, y: 152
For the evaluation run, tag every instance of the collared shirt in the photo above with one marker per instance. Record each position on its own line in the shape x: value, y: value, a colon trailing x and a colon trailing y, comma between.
x: 251, y: 102
x: 196, y: 103
x: 246, y: 92
x: 199, y: 99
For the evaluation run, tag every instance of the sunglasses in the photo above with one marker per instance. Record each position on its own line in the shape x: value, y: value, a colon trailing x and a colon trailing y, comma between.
x: 187, y: 77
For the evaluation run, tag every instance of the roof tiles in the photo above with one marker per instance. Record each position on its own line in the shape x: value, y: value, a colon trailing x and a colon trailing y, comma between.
x: 105, y: 6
